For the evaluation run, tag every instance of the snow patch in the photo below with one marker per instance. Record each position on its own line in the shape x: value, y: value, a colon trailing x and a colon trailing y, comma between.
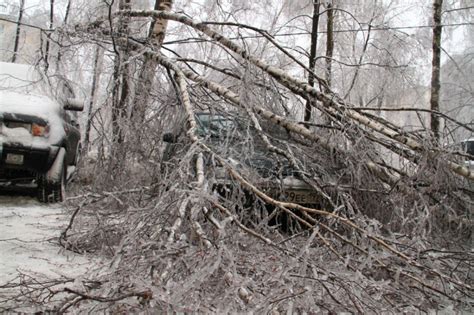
x: 28, y: 241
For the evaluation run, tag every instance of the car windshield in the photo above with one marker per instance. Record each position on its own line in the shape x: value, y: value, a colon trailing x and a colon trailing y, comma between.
x: 213, y: 124
x: 468, y: 146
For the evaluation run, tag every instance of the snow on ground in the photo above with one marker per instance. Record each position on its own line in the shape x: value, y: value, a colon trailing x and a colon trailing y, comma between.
x: 28, y: 241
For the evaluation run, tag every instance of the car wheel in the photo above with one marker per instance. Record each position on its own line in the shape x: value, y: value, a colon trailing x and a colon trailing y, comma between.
x: 53, y: 191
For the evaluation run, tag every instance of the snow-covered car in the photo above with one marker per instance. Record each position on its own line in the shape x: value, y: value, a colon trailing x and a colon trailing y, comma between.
x: 225, y: 135
x: 39, y: 130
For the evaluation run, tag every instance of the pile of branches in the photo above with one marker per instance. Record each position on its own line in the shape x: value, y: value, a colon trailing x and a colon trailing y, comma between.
x: 385, y: 236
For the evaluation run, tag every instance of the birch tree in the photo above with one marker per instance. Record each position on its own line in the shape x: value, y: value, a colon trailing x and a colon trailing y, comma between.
x: 146, y: 78
x: 436, y: 68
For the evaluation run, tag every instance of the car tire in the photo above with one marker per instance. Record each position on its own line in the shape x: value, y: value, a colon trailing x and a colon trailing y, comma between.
x: 53, y: 192
x: 77, y: 156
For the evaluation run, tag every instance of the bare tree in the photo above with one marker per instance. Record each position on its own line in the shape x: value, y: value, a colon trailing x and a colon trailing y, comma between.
x: 312, y: 55
x: 329, y: 41
x: 436, y: 68
x: 147, y: 74
x: 65, y: 21
x: 18, y: 30
x: 48, y: 39
x: 97, y: 70
x: 122, y: 76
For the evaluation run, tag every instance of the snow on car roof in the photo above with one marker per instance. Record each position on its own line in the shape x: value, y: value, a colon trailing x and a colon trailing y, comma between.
x: 21, y: 77
x: 24, y: 91
x: 16, y: 69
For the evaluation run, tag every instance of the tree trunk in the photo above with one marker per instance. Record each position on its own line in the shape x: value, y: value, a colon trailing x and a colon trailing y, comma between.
x: 312, y: 56
x: 435, y: 70
x: 18, y: 30
x: 121, y: 76
x: 120, y: 94
x: 48, y: 40
x: 66, y: 16
x: 329, y: 42
x: 98, y: 57
x: 146, y: 77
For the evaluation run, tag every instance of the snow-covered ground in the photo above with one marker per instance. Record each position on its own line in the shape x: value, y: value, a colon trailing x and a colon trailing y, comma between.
x: 29, y: 232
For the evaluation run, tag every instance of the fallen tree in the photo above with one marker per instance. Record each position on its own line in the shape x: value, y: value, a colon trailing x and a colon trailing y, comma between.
x: 384, y: 236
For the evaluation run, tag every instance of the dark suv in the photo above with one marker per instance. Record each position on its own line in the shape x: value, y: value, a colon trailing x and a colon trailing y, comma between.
x: 229, y: 137
x: 39, y: 135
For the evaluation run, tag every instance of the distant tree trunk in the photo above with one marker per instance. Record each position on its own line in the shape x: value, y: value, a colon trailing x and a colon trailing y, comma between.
x: 312, y: 56
x: 361, y: 58
x: 146, y: 76
x: 66, y: 16
x: 329, y: 43
x: 121, y: 76
x: 48, y: 40
x: 18, y: 30
x: 98, y: 57
x: 121, y: 91
x: 435, y: 68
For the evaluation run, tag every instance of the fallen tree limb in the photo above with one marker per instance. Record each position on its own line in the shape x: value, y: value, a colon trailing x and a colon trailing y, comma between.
x: 331, y: 103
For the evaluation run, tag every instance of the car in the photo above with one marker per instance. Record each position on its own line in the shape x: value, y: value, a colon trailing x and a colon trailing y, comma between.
x: 39, y: 130
x: 467, y: 146
x: 228, y: 136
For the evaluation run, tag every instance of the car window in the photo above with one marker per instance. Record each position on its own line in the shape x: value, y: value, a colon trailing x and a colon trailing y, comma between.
x: 468, y: 146
x: 215, y: 125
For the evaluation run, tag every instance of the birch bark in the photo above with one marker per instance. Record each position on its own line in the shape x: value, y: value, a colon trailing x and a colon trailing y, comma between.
x: 146, y: 77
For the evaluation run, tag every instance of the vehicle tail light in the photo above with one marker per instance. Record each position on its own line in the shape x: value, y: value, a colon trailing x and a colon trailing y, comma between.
x: 39, y: 131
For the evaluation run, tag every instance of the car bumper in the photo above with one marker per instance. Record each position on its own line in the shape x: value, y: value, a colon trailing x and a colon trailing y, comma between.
x: 288, y: 189
x: 36, y: 159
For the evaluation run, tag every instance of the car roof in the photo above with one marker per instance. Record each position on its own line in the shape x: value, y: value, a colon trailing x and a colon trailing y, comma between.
x: 18, y: 70
x: 16, y: 75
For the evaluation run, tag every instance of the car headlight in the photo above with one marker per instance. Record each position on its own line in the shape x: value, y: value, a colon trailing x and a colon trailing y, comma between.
x: 39, y: 130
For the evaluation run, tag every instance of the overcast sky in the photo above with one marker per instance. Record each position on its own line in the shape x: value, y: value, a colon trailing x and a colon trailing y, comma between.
x: 406, y: 13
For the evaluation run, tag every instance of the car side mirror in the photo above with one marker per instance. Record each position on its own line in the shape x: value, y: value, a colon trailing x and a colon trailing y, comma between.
x: 169, y: 137
x: 74, y: 104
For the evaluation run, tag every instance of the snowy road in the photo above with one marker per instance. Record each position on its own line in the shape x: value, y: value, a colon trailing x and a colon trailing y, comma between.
x: 28, y: 241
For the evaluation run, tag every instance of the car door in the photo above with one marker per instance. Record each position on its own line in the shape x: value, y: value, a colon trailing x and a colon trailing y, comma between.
x: 73, y: 136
